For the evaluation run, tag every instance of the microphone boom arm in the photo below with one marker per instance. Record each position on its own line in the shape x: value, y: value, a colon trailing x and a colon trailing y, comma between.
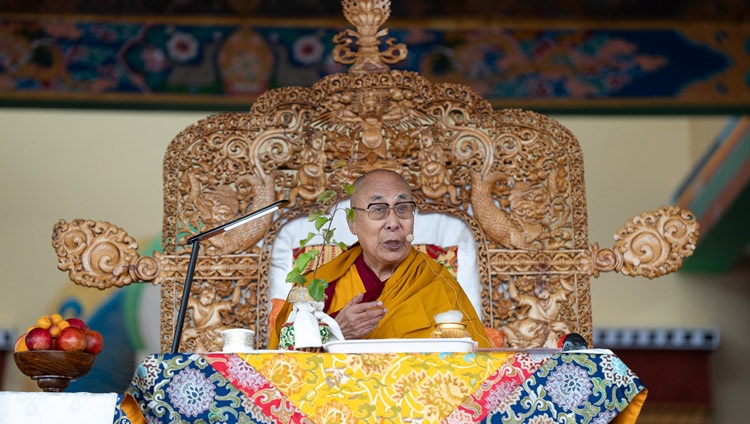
x: 195, y: 241
x: 229, y: 226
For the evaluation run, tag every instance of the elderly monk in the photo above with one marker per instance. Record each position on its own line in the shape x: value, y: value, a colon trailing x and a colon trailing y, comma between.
x: 381, y: 287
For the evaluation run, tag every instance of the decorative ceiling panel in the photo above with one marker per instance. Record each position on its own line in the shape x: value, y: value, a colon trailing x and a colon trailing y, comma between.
x: 186, y: 55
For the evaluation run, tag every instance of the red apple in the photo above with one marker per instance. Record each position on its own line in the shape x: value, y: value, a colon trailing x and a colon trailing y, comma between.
x: 39, y: 339
x: 78, y: 323
x: 72, y: 339
x: 94, y: 342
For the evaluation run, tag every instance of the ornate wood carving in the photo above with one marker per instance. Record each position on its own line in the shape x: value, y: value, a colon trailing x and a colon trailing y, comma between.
x: 650, y: 244
x: 514, y: 177
x: 99, y: 254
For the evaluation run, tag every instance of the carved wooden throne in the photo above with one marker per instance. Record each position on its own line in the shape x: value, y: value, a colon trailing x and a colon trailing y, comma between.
x: 514, y: 177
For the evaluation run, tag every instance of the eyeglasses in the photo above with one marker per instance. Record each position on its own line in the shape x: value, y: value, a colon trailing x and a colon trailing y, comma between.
x: 380, y: 211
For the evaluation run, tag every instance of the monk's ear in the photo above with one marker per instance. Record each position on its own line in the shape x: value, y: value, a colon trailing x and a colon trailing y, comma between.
x: 351, y: 223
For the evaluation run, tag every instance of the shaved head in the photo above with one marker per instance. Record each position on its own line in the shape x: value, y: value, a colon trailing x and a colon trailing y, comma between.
x: 384, y: 240
x: 373, y: 175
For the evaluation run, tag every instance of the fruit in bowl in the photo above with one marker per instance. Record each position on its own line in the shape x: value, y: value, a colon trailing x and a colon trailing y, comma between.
x: 52, y: 332
x: 38, y: 339
x: 72, y: 339
x: 94, y: 342
x: 56, y: 351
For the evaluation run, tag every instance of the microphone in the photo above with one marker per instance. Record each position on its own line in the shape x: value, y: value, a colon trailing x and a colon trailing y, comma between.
x: 409, y: 238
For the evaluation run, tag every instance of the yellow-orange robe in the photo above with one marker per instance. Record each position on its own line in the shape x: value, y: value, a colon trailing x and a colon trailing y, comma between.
x: 419, y: 289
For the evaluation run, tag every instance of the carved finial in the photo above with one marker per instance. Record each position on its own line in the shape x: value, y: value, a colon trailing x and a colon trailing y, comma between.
x: 367, y: 16
x: 651, y: 244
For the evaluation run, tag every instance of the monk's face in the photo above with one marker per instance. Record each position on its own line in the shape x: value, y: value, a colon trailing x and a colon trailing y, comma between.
x: 383, y: 241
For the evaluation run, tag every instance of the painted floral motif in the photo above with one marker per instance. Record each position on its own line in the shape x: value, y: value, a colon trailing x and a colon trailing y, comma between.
x: 442, y: 392
x: 90, y: 57
x: 407, y: 383
x: 616, y: 371
x: 569, y: 386
x: 334, y: 412
x: 308, y: 49
x: 285, y: 372
x: 541, y: 419
x: 244, y: 374
x: 147, y: 372
x: 502, y: 395
x: 182, y: 47
x: 528, y: 362
x: 154, y: 59
x: 604, y: 417
x: 336, y: 376
x: 245, y: 63
x: 369, y: 363
x: 459, y: 417
x: 191, y: 392
x: 254, y: 413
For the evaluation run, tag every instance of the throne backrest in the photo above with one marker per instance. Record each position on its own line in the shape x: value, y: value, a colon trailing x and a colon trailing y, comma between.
x: 515, y: 178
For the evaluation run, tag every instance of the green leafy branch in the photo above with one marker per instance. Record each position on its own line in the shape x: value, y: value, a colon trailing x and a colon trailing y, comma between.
x: 323, y: 223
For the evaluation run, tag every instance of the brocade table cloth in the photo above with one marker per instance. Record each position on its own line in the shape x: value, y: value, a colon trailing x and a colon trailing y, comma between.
x: 296, y: 387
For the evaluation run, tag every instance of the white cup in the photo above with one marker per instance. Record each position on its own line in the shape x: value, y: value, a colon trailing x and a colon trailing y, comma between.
x: 238, y: 340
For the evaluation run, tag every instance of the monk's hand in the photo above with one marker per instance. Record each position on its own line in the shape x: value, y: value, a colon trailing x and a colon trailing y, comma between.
x: 358, y: 319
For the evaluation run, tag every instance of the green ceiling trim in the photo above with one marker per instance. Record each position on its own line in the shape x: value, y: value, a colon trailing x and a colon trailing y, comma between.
x: 727, y: 173
x: 717, y: 191
x: 718, y: 250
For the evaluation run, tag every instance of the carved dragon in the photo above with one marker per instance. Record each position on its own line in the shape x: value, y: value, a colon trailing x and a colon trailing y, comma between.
x: 526, y: 222
x: 216, y: 205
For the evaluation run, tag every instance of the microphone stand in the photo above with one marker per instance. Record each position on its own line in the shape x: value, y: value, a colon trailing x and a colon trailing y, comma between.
x: 195, y: 241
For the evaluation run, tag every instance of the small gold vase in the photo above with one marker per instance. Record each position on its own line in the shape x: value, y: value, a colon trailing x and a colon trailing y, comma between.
x: 299, y: 294
x: 449, y: 330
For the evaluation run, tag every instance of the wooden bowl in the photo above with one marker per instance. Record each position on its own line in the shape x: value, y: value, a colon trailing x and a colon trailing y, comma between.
x: 53, y: 370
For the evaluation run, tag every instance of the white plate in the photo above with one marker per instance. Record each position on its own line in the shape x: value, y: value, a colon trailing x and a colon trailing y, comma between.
x: 545, y: 351
x: 402, y: 346
x: 529, y: 350
x: 265, y: 351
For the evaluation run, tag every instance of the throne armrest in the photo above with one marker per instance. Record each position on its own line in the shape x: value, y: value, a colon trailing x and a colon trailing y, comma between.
x: 101, y: 255
x: 651, y: 244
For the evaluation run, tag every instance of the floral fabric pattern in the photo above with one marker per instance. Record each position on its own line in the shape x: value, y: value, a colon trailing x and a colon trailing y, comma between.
x: 297, y: 387
x: 571, y: 388
x: 191, y: 392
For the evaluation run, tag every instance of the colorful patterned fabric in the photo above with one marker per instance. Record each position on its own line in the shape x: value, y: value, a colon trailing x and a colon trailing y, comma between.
x: 446, y: 256
x: 390, y: 388
x: 185, y: 64
x: 127, y: 411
